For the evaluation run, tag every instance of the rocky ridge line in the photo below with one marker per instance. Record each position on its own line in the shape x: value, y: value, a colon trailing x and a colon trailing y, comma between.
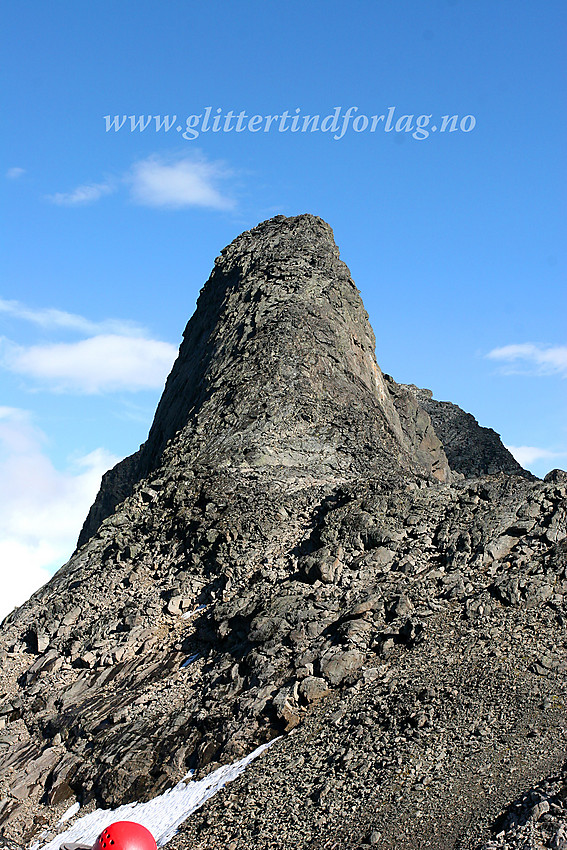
x: 471, y: 449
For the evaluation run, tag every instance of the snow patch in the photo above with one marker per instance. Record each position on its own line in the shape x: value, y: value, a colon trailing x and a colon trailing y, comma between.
x: 70, y: 813
x: 162, y: 816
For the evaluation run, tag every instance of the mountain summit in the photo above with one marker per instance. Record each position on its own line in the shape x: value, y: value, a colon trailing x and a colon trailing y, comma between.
x: 302, y: 550
x: 277, y: 369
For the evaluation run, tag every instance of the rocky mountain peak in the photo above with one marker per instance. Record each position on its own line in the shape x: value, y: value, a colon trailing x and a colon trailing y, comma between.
x: 290, y: 551
x: 277, y: 369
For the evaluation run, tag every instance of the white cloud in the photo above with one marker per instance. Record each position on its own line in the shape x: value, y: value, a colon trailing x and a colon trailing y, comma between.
x: 537, y: 359
x: 526, y: 455
x: 14, y: 173
x: 51, y: 319
x: 102, y: 363
x: 186, y: 182
x: 82, y: 195
x: 42, y: 509
x: 173, y: 183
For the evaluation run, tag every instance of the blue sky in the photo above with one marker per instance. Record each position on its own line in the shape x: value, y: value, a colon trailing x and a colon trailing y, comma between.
x: 453, y: 240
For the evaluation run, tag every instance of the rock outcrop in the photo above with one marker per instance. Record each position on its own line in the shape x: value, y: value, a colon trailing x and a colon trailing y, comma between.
x: 289, y: 554
x: 471, y: 449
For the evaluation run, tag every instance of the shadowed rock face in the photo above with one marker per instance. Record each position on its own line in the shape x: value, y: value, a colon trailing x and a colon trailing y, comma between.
x: 289, y: 550
x: 471, y: 449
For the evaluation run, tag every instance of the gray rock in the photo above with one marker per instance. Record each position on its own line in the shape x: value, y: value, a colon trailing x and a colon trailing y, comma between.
x: 313, y: 688
x: 338, y: 665
x: 470, y: 449
x: 556, y: 476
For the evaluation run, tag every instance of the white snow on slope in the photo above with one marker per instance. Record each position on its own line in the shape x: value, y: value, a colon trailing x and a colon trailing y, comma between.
x: 162, y: 815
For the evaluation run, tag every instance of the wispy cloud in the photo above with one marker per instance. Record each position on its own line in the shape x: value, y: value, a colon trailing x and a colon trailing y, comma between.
x: 184, y: 182
x: 14, y: 173
x: 526, y: 455
x: 161, y: 182
x: 82, y: 195
x: 531, y: 359
x: 41, y: 508
x: 103, y: 363
x: 50, y: 318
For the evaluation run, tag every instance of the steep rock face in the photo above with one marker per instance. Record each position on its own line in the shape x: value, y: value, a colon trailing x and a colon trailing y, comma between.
x: 277, y: 368
x: 290, y: 553
x: 471, y: 449
x: 115, y: 486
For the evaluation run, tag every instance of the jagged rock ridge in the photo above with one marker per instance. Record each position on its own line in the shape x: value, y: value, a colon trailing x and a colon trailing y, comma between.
x: 471, y: 449
x: 289, y: 551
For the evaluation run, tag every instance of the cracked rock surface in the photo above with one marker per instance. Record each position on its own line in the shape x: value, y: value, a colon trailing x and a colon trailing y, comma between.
x: 302, y: 549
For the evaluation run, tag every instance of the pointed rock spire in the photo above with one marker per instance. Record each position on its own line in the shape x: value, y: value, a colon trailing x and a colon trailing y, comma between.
x: 277, y: 370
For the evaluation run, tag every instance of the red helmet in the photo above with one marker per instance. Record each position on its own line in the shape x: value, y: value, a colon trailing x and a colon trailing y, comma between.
x: 125, y: 835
